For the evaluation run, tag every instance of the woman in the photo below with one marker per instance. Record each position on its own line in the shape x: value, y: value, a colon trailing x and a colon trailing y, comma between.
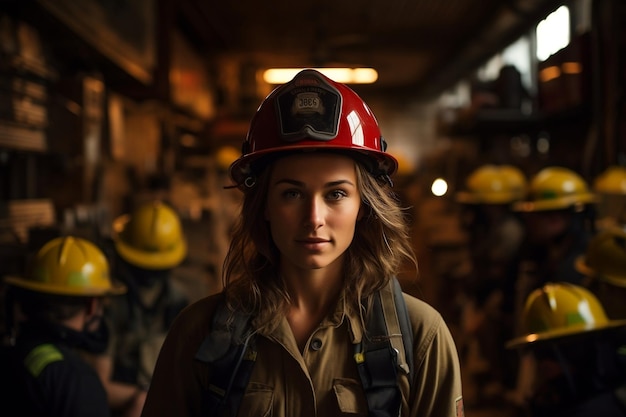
x: 320, y: 233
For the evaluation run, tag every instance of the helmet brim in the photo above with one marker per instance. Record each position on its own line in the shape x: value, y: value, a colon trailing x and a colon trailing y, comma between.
x: 116, y: 288
x: 379, y: 163
x: 580, y: 264
x: 465, y: 197
x: 555, y: 204
x: 151, y: 260
x: 534, y: 339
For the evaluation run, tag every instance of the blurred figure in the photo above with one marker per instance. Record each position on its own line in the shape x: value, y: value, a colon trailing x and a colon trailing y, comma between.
x: 148, y: 243
x: 559, y: 221
x: 604, y: 262
x: 495, y: 234
x: 58, y: 309
x: 610, y: 186
x: 578, y: 366
x: 495, y: 231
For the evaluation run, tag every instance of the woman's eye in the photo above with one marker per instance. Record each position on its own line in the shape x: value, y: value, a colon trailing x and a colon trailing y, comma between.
x: 291, y: 194
x: 337, y: 195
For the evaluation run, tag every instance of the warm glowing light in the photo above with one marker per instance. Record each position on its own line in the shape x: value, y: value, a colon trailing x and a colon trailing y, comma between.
x: 571, y: 68
x: 549, y: 73
x: 340, y: 75
x: 439, y: 187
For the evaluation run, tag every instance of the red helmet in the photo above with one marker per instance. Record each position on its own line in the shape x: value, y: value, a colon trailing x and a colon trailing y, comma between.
x: 313, y: 112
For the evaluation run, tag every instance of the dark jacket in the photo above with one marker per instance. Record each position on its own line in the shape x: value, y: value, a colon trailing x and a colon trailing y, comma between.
x: 43, y: 375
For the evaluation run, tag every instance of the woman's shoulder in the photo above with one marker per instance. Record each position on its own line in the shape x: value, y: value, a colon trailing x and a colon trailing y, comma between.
x: 424, y: 317
x: 418, y: 306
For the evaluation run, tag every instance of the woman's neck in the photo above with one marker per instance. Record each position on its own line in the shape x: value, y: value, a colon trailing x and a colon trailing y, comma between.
x: 313, y: 289
x: 313, y: 294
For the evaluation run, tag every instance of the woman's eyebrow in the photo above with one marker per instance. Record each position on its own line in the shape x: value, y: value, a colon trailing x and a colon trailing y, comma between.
x: 302, y: 184
x: 289, y: 181
x: 339, y: 182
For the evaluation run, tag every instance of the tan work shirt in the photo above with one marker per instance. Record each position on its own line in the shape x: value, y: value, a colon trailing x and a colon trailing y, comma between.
x: 322, y: 381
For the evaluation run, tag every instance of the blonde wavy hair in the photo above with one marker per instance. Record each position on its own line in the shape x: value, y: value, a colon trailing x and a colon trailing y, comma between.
x: 381, y: 245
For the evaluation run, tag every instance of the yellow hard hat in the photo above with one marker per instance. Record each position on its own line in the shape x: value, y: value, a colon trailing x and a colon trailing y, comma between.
x: 556, y: 188
x: 151, y: 237
x: 611, y: 181
x: 605, y: 257
x: 70, y: 266
x: 558, y: 310
x: 494, y: 184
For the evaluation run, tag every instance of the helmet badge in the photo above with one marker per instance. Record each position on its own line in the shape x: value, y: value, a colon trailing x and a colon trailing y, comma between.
x: 309, y: 107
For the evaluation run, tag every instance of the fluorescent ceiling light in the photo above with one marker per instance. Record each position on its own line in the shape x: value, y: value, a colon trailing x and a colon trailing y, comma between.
x: 340, y: 75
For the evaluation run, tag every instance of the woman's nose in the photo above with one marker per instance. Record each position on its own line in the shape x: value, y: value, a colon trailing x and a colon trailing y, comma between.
x: 315, y: 213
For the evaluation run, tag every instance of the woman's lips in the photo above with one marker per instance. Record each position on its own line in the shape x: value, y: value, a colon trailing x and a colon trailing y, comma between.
x: 313, y: 243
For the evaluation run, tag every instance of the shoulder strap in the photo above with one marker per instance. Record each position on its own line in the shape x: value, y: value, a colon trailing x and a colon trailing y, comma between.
x: 405, y: 326
x: 387, y: 346
x: 230, y: 350
x: 398, y: 324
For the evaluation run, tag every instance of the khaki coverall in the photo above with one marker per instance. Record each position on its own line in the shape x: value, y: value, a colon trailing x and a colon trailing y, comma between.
x: 322, y: 381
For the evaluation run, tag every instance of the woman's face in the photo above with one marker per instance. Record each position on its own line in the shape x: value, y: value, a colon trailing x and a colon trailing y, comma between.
x: 312, y: 208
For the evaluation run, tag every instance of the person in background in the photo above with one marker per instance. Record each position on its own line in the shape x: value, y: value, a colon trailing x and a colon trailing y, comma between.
x: 610, y: 187
x: 495, y: 235
x: 148, y: 243
x: 604, y: 262
x: 579, y: 365
x: 558, y: 215
x: 59, y: 307
x: 559, y: 220
x: 317, y: 245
